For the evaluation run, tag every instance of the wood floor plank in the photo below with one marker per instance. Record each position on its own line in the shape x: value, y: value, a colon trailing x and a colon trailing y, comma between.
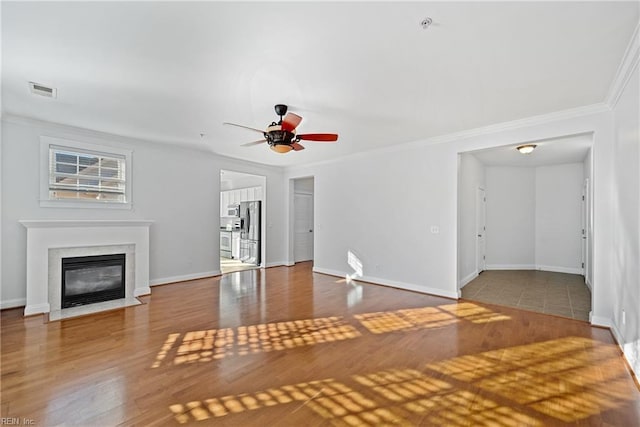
x: 286, y: 346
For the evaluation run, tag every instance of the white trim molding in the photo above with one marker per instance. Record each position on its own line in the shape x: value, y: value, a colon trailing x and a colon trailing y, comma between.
x: 467, y: 134
x: 46, y: 142
x: 465, y: 280
x: 510, y: 267
x: 44, y: 235
x: 390, y: 283
x: 626, y: 68
x: 13, y: 303
x: 184, y: 278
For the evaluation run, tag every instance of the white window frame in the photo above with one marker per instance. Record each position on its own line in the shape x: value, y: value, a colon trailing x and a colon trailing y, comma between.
x: 46, y: 142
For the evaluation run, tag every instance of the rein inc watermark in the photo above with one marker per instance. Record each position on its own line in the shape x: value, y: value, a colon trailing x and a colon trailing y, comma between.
x: 17, y: 421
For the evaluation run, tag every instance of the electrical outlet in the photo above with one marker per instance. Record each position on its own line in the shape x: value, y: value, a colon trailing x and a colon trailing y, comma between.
x: 435, y: 229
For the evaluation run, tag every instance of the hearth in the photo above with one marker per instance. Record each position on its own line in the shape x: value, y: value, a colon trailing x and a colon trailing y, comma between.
x: 91, y: 279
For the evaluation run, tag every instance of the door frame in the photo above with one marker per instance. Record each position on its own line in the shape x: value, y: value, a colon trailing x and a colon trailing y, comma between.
x: 481, y: 249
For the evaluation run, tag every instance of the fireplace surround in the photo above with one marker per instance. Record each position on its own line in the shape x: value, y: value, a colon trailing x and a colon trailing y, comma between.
x: 48, y: 241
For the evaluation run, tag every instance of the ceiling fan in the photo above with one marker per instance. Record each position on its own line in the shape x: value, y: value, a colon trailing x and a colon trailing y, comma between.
x: 282, y: 137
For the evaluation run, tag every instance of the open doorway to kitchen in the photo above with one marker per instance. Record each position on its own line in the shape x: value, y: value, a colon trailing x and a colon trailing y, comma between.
x: 242, y: 233
x: 533, y: 236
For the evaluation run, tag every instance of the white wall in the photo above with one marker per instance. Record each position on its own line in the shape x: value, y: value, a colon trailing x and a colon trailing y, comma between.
x: 365, y: 203
x: 244, y: 181
x: 380, y: 206
x: 184, y: 240
x: 534, y: 217
x: 625, y: 206
x: 511, y: 228
x: 558, y: 218
x: 471, y: 176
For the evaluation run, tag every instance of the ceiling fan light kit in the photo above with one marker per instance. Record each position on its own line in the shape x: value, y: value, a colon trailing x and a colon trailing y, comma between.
x: 281, y: 136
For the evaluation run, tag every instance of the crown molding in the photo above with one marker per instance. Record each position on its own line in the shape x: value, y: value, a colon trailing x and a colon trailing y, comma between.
x: 541, y: 119
x: 627, y: 66
x: 75, y: 131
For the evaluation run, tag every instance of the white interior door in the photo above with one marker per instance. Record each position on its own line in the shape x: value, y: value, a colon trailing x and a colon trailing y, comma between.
x: 481, y: 228
x: 303, y: 227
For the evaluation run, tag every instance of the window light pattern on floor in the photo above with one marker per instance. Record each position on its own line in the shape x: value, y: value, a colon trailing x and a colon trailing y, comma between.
x: 585, y: 378
x: 545, y: 383
x: 427, y: 317
x: 213, y: 344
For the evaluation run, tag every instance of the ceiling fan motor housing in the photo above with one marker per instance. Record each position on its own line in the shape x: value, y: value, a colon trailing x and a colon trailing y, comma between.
x: 281, y: 110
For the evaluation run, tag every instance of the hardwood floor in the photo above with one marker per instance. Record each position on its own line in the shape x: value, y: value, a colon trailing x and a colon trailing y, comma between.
x: 287, y: 347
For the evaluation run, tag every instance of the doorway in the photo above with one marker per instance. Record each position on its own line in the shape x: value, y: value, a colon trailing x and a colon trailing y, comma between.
x: 303, y: 226
x: 537, y: 253
x: 242, y: 233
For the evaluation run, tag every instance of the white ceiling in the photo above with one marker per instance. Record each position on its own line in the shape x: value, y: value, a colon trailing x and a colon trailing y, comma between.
x: 167, y: 71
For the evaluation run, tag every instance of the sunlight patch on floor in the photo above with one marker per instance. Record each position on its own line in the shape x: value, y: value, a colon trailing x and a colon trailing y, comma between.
x: 427, y: 317
x: 213, y: 344
x: 567, y: 380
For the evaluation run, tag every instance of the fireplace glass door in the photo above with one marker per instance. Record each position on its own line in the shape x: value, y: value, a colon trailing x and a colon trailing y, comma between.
x: 91, y: 279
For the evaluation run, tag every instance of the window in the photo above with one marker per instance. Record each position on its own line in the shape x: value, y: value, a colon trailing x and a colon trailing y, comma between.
x: 84, y: 175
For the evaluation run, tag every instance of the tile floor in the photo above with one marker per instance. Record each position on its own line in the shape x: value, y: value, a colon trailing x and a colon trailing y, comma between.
x: 228, y: 265
x: 542, y: 291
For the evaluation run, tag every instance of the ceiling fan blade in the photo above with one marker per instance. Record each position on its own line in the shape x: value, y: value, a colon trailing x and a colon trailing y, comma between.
x: 290, y: 122
x: 296, y: 146
x: 242, y: 126
x: 248, y: 144
x: 319, y: 137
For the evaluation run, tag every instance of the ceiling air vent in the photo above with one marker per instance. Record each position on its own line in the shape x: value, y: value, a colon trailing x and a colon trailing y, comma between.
x: 42, y: 90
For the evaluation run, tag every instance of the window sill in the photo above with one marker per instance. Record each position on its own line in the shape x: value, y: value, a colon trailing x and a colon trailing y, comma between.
x: 75, y: 204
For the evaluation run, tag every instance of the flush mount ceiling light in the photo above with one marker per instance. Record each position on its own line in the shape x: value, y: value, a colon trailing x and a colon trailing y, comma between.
x: 526, y: 149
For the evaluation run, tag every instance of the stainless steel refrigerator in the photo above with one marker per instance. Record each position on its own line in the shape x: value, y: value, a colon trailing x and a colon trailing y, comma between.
x: 250, y: 232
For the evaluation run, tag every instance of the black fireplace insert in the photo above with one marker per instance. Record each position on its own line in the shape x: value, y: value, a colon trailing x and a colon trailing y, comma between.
x: 91, y: 279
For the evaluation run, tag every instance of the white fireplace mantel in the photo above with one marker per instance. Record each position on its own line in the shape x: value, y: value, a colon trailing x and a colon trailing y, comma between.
x: 43, y: 235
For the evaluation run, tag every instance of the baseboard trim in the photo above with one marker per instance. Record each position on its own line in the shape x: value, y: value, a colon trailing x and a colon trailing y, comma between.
x: 32, y: 309
x: 465, y: 280
x: 510, y: 267
x: 276, y: 264
x: 555, y: 269
x: 552, y: 268
x: 601, y: 321
x: 138, y: 292
x: 13, y: 303
x: 391, y: 283
x: 184, y: 278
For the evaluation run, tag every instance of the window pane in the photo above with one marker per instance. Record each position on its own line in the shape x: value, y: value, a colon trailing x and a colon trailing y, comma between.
x: 88, y: 182
x: 88, y: 161
x: 110, y: 173
x: 86, y: 176
x: 66, y: 158
x: 89, y: 171
x: 63, y: 168
x: 64, y: 180
x: 109, y: 163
